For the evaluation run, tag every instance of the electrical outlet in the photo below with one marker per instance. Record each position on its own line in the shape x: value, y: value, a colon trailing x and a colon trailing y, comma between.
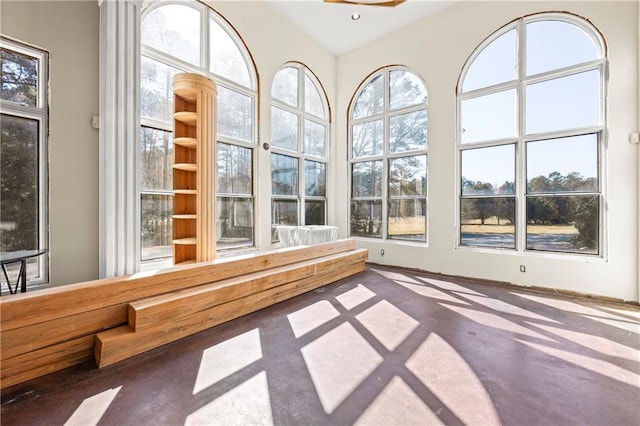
x: 523, y: 268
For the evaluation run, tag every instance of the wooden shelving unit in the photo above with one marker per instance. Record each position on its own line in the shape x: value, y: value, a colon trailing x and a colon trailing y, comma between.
x: 194, y: 100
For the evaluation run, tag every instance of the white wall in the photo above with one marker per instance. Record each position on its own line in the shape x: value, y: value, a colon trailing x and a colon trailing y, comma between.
x: 69, y: 31
x: 437, y: 48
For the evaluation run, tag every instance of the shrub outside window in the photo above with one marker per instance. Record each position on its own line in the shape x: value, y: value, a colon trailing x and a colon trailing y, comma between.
x: 388, y: 157
x: 530, y: 138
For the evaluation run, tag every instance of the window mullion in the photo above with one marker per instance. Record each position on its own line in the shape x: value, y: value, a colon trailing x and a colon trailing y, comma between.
x: 520, y: 152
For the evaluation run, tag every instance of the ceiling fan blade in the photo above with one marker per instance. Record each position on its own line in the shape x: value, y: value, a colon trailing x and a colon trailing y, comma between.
x: 385, y: 3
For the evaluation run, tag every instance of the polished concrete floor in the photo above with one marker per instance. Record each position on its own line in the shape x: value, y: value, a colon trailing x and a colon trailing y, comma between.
x: 385, y: 347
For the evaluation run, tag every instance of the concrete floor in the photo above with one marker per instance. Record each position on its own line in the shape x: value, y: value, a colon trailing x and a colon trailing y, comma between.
x: 385, y: 347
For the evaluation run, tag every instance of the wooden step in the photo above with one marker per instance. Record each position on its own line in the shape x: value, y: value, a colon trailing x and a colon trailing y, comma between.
x: 148, y: 312
x: 123, y: 342
x: 46, y: 360
x: 44, y: 305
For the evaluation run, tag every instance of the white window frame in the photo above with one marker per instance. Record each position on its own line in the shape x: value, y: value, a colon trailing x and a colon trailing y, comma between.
x: 40, y: 113
x: 299, y: 154
x: 522, y: 138
x: 386, y: 156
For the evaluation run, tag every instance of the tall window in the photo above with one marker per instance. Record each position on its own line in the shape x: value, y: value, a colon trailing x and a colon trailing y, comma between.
x: 189, y: 37
x: 300, y: 144
x: 23, y: 153
x: 530, y: 140
x: 388, y: 156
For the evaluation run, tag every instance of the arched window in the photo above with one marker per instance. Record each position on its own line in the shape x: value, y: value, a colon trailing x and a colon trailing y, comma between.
x: 299, y: 148
x: 388, y: 156
x: 187, y: 36
x: 531, y: 117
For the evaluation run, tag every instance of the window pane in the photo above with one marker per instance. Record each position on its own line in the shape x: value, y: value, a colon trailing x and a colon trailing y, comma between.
x: 226, y: 59
x: 312, y: 101
x: 408, y: 176
x: 284, y: 175
x: 285, y: 86
x: 156, y: 162
x: 19, y: 187
x: 284, y: 212
x: 175, y: 30
x: 367, y: 179
x: 489, y: 117
x: 156, y: 226
x: 488, y: 222
x: 284, y: 129
x: 314, y: 139
x: 407, y: 219
x: 156, y: 89
x: 371, y: 99
x: 556, y: 44
x: 366, y: 218
x: 495, y: 64
x: 408, y: 132
x: 314, y: 212
x: 234, y: 225
x: 367, y: 139
x: 19, y: 78
x: 234, y: 169
x: 405, y: 89
x: 315, y: 177
x: 487, y: 171
x: 564, y: 103
x: 234, y: 113
x: 565, y: 224
x: 563, y: 165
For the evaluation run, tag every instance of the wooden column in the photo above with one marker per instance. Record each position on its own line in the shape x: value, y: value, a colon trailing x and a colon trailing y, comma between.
x: 194, y: 169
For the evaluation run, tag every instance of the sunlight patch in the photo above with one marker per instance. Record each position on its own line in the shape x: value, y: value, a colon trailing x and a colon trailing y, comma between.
x: 93, y: 408
x: 387, y: 323
x: 396, y: 276
x: 594, y: 343
x: 447, y: 285
x: 247, y: 403
x: 598, y: 366
x: 448, y: 376
x: 226, y: 358
x: 432, y: 293
x: 338, y: 362
x: 311, y: 317
x: 355, y: 296
x: 505, y: 307
x: 495, y: 321
x: 397, y: 404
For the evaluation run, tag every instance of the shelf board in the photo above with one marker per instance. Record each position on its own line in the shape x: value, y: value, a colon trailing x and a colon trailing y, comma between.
x: 187, y: 117
x: 187, y: 167
x: 184, y: 216
x: 189, y: 241
x: 185, y: 191
x: 186, y: 262
x: 186, y: 142
x: 186, y: 94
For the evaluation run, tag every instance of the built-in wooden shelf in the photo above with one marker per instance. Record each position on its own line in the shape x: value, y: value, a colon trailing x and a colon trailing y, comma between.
x: 187, y: 167
x: 189, y: 241
x: 187, y: 117
x: 194, y: 101
x: 185, y: 216
x: 186, y: 142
